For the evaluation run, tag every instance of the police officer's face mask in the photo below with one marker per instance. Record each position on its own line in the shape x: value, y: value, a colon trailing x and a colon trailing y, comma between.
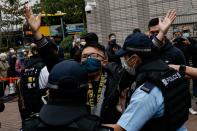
x: 44, y: 99
x: 130, y: 65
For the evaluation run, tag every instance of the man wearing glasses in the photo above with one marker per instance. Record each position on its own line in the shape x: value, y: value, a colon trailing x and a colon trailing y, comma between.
x: 103, y: 95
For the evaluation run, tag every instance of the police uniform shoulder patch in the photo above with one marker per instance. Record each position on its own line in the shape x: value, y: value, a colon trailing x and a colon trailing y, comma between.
x: 147, y: 87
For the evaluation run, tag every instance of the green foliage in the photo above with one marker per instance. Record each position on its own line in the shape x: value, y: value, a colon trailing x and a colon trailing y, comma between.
x: 36, y: 8
x: 83, y: 33
x: 11, y: 2
x: 66, y: 44
x: 74, y: 9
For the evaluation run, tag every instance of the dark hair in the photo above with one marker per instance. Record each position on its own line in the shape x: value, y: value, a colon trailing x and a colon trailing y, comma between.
x: 91, y: 38
x: 153, y: 22
x: 97, y: 46
x: 112, y: 34
x: 136, y: 30
x: 52, y: 43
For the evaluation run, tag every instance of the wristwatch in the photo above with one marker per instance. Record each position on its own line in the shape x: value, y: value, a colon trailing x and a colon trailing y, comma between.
x: 182, y: 69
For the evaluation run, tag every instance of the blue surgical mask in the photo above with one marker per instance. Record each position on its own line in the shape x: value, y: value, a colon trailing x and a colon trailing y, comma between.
x: 186, y: 35
x: 178, y: 37
x: 92, y: 65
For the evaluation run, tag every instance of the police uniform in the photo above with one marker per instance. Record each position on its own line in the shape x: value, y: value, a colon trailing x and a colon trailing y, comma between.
x: 143, y: 105
x: 158, y: 102
x: 161, y: 100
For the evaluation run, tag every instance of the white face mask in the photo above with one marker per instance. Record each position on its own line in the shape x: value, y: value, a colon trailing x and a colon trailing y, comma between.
x: 130, y: 70
x: 186, y: 35
x: 12, y: 51
x: 78, y: 40
x: 83, y: 43
x: 43, y: 98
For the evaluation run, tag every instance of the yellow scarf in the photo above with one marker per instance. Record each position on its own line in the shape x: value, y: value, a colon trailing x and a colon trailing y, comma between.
x: 93, y: 97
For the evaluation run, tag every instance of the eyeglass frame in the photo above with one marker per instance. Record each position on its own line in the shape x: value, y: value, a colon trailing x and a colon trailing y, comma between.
x: 86, y: 56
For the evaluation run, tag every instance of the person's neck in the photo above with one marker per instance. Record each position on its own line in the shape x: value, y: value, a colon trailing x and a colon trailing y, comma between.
x: 95, y: 76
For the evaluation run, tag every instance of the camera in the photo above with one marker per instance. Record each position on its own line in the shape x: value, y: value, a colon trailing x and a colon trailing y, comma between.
x: 88, y: 8
x: 179, y: 40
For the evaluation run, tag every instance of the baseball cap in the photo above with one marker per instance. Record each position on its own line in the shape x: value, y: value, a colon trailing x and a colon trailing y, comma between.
x: 67, y: 84
x: 135, y: 43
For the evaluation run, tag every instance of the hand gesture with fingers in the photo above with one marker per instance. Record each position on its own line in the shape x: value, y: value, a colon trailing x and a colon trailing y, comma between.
x: 33, y: 21
x: 167, y: 21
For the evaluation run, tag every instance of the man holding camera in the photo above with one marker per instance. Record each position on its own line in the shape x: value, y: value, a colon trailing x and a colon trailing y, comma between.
x: 182, y: 43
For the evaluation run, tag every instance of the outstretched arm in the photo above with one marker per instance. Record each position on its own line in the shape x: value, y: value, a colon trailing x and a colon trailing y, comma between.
x: 47, y: 49
x: 164, y: 26
x: 33, y: 21
x: 190, y: 72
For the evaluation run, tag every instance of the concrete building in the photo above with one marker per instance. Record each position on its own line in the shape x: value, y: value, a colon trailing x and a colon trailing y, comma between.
x: 122, y: 16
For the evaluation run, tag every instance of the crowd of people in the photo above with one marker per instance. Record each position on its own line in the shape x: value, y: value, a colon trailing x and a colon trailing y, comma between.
x: 141, y: 86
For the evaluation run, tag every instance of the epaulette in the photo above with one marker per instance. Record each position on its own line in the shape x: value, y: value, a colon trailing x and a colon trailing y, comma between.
x: 147, y: 87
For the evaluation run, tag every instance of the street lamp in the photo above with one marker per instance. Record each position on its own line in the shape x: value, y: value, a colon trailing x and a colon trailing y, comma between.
x: 62, y: 24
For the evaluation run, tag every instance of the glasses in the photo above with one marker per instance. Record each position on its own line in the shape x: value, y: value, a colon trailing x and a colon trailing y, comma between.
x: 92, y: 55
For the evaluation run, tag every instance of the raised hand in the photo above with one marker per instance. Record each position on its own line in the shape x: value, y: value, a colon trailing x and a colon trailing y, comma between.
x: 33, y: 21
x: 165, y: 24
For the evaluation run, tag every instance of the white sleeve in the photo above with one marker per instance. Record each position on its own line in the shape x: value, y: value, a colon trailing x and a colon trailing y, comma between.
x: 43, y: 78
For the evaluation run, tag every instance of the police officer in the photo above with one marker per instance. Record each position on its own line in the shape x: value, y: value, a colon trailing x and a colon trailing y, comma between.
x: 161, y: 100
x: 66, y: 109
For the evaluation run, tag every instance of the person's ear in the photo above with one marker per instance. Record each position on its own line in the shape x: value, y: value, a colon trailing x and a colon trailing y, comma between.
x: 104, y: 62
x: 134, y: 61
x: 138, y: 60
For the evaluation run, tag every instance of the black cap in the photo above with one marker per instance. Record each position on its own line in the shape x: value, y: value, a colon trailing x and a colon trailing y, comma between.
x: 67, y: 84
x: 136, y: 43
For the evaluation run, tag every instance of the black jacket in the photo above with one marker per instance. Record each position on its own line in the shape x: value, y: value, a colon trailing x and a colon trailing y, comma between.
x: 29, y: 92
x: 108, y: 112
x: 172, y: 55
x: 193, y: 51
x: 84, y: 123
x: 111, y: 54
x: 175, y: 92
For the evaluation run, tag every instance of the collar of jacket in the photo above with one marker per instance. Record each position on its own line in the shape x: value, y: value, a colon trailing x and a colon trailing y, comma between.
x: 150, y: 69
x: 167, y: 45
x: 152, y: 65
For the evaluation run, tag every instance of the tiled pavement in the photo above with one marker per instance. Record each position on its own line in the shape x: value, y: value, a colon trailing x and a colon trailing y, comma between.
x: 10, y: 118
